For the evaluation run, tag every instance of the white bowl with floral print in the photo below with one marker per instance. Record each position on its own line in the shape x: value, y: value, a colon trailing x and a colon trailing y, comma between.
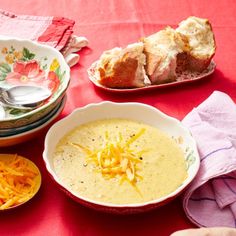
x: 24, y: 62
x: 134, y: 111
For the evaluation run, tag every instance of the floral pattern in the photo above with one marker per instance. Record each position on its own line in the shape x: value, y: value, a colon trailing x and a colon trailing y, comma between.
x: 30, y: 73
x: 190, y: 158
x: 25, y: 73
x: 11, y: 55
x: 19, y: 67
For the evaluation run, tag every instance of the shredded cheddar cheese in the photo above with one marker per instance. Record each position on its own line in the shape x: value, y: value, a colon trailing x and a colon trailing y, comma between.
x: 17, y: 182
x: 116, y: 158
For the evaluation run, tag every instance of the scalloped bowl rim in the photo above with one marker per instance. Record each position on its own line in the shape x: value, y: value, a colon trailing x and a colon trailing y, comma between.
x: 39, y: 127
x: 58, y: 55
x: 104, y: 204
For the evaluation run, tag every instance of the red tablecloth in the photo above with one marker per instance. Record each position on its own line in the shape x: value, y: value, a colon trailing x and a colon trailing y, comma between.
x: 107, y: 24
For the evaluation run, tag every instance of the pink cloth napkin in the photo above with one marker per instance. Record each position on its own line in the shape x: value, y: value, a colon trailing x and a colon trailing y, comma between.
x: 53, y: 31
x: 211, y: 199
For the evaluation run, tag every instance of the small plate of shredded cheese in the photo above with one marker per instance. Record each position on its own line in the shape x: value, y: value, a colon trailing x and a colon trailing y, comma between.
x: 20, y: 180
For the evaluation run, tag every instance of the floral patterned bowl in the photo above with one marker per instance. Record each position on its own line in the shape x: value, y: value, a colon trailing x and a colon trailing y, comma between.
x: 135, y: 111
x: 23, y: 62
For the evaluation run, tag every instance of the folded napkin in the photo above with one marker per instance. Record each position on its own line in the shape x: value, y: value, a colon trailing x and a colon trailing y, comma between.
x: 54, y: 31
x: 210, y: 201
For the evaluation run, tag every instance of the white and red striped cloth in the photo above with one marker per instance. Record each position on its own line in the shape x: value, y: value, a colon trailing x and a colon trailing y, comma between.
x: 210, y: 201
x: 53, y: 31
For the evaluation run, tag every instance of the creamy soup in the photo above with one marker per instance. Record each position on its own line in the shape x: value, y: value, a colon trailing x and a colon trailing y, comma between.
x: 119, y: 161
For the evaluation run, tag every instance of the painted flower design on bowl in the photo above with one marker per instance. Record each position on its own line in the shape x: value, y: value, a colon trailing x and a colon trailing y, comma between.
x: 20, y: 68
x: 30, y: 73
x: 24, y: 62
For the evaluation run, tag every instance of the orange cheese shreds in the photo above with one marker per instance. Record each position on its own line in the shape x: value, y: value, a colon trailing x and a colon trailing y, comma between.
x: 116, y: 158
x: 17, y: 182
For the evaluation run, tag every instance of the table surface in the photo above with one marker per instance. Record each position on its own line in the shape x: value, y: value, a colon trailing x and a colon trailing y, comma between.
x: 107, y: 24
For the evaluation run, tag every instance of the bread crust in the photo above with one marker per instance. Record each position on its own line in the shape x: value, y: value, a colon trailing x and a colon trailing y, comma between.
x: 161, y: 51
x: 201, y: 50
x: 123, y: 68
x: 122, y: 76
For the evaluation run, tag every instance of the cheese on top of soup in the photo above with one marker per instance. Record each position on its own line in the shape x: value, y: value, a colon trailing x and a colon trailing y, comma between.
x: 119, y: 161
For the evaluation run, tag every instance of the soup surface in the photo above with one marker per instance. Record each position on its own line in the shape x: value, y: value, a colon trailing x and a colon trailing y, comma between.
x: 119, y: 161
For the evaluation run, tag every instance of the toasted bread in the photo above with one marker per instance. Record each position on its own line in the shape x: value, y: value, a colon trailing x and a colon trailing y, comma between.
x: 201, y: 40
x: 122, y: 68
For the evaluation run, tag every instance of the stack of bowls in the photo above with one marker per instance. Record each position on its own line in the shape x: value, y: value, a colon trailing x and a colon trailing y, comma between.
x: 24, y: 62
